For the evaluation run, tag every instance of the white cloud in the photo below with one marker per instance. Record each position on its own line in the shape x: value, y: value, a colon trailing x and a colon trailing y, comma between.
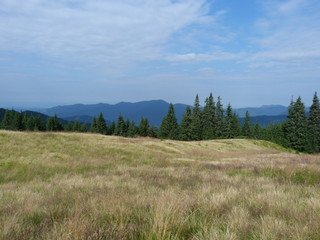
x: 203, y: 57
x: 289, y: 34
x: 96, y: 30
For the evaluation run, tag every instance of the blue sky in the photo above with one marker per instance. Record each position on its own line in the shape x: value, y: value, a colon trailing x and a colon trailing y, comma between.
x: 250, y: 52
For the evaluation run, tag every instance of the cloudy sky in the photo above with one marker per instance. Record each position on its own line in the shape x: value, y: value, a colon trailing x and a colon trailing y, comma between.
x: 250, y: 52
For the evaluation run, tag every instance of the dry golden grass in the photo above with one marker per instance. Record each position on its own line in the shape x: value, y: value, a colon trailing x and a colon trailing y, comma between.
x: 87, y: 186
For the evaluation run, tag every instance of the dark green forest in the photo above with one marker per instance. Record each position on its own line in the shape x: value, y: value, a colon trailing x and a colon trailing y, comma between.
x: 300, y: 131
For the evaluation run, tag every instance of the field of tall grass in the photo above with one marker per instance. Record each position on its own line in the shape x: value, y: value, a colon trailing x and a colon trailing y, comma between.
x: 88, y: 186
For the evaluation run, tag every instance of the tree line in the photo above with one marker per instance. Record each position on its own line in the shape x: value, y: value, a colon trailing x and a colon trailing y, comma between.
x: 213, y: 121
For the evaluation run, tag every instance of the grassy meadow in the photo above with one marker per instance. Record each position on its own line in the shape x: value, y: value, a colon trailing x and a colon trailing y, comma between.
x: 88, y: 186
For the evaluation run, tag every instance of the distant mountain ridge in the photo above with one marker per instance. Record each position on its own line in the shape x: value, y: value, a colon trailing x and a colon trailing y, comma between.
x: 154, y: 110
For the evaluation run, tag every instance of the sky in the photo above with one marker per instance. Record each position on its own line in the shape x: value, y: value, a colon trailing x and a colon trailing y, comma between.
x: 249, y: 52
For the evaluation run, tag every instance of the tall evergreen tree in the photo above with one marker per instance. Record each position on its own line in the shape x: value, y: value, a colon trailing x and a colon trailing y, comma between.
x: 101, y: 124
x: 120, y: 127
x: 169, y: 125
x: 76, y: 126
x: 185, y: 132
x: 314, y: 126
x: 24, y: 121
x: 296, y: 127
x: 208, y: 119
x: 219, y: 121
x: 31, y: 123
x: 84, y: 127
x: 17, y: 122
x: 111, y: 129
x: 246, y: 128
x: 39, y: 125
x: 94, y: 127
x: 53, y: 124
x: 144, y: 127
x: 196, y: 124
x: 133, y: 130
x: 228, y: 122
x: 235, y: 126
x: 69, y: 127
x: 7, y: 121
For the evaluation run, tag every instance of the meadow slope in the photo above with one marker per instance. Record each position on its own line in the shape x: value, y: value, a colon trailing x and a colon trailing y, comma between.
x: 88, y: 186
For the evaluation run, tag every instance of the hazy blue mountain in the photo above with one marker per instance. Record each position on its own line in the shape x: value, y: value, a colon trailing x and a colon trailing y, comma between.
x: 83, y: 118
x: 154, y: 110
x: 266, y: 120
x: 266, y: 110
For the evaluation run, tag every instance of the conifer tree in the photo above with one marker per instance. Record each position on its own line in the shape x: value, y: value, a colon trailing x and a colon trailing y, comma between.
x: 53, y: 124
x: 153, y: 132
x: 7, y: 120
x: 219, y: 121
x: 69, y: 127
x: 246, y: 128
x: 133, y: 130
x: 236, y: 127
x: 39, y: 125
x: 169, y: 125
x: 76, y: 126
x: 185, y: 132
x: 17, y: 122
x: 228, y: 122
x: 101, y: 124
x: 83, y: 128
x: 111, y: 129
x: 144, y: 127
x: 296, y: 127
x: 256, y: 131
x: 94, y: 127
x: 31, y: 123
x: 314, y: 126
x: 208, y: 116
x: 120, y: 127
x: 24, y: 121
x: 196, y: 125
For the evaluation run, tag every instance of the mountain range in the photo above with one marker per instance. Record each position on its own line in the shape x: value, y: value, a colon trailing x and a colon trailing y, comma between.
x: 154, y: 110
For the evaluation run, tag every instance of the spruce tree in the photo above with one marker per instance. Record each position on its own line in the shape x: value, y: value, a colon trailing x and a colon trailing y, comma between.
x: 196, y: 124
x: 31, y: 123
x: 24, y: 121
x: 185, y: 133
x: 228, y: 123
x: 101, y: 124
x: 84, y: 127
x: 144, y: 127
x: 257, y: 131
x: 246, y: 128
x: 296, y: 127
x: 39, y: 125
x: 7, y: 120
x: 69, y: 127
x: 236, y: 127
x: 76, y: 126
x: 94, y: 127
x: 17, y: 122
x: 111, y: 129
x: 153, y: 132
x: 314, y: 126
x: 169, y: 125
x: 133, y: 130
x: 208, y: 118
x: 120, y: 127
x: 219, y: 121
